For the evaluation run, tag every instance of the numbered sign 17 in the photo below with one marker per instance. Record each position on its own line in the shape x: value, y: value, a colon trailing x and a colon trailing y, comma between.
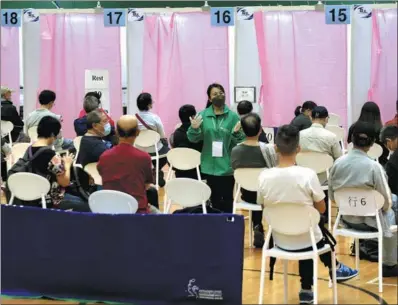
x: 11, y: 18
x: 222, y: 16
x: 114, y: 17
x: 338, y: 14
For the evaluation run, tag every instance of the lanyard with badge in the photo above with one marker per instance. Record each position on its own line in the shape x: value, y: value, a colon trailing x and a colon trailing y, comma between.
x: 217, y: 146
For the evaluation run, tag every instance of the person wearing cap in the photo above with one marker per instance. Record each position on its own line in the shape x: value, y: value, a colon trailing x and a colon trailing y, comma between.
x: 357, y: 170
x: 9, y: 113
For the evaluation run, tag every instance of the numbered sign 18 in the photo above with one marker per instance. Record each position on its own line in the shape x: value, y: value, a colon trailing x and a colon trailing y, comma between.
x: 338, y: 14
x: 11, y: 18
x: 114, y: 17
x: 222, y: 16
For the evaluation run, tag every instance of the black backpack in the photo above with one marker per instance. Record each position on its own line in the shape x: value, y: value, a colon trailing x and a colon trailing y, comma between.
x: 24, y: 164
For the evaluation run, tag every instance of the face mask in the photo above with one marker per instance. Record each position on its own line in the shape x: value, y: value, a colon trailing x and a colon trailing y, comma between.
x: 107, y: 129
x: 218, y: 101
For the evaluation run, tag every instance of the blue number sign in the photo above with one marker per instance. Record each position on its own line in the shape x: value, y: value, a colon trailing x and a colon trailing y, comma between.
x: 11, y: 18
x: 222, y: 16
x: 338, y: 14
x: 114, y: 17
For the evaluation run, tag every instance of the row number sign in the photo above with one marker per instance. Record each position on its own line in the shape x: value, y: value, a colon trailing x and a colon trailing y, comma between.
x: 222, y: 16
x: 115, y: 17
x: 11, y: 18
x: 338, y: 14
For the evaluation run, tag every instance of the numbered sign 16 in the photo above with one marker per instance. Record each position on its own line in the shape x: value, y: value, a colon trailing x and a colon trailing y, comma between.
x: 11, y: 18
x: 338, y: 14
x: 222, y: 16
x: 114, y: 17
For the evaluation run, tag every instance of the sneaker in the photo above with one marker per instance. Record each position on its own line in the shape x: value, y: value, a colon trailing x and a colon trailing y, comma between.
x: 344, y: 273
x: 306, y: 297
x: 258, y: 237
x: 390, y: 271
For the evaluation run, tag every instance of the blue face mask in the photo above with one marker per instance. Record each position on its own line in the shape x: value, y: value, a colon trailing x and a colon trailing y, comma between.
x: 107, y: 129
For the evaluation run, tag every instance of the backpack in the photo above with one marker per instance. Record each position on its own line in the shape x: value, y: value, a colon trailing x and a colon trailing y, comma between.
x: 24, y: 164
x: 80, y: 183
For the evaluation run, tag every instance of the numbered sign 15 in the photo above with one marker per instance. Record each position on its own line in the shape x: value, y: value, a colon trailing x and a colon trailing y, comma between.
x: 11, y: 18
x: 338, y: 14
x: 114, y: 17
x: 222, y: 16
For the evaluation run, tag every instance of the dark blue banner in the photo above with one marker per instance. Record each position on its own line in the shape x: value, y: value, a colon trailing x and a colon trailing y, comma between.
x: 138, y: 259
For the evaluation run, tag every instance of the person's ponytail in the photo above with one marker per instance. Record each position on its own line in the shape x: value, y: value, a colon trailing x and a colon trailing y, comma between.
x: 297, y: 111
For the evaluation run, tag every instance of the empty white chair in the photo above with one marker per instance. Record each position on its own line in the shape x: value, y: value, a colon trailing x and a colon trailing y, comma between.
x: 6, y: 128
x: 287, y: 221
x: 374, y: 152
x: 339, y: 132
x: 187, y: 193
x: 320, y: 163
x: 17, y: 151
x: 183, y: 159
x: 247, y: 178
x: 148, y: 138
x: 334, y: 119
x: 112, y: 202
x: 32, y: 133
x: 361, y: 202
x: 28, y: 187
x: 91, y: 168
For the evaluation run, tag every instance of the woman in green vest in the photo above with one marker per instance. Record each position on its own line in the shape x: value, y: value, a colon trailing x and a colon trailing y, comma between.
x: 219, y: 129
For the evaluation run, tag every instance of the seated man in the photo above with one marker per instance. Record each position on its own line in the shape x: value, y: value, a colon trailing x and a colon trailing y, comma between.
x: 245, y: 107
x: 127, y: 169
x: 9, y: 113
x: 251, y: 125
x: 357, y: 170
x: 180, y: 138
x: 294, y: 184
x: 92, y: 144
x: 47, y: 100
x: 389, y: 137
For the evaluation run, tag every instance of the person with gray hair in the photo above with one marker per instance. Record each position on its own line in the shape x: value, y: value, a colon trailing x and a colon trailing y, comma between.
x: 92, y: 144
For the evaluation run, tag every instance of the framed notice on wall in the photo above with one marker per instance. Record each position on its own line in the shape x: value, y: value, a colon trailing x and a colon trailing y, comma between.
x: 98, y: 80
x: 245, y: 94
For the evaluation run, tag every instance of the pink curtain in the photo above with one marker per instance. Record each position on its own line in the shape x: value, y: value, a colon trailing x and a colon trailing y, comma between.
x: 301, y: 58
x: 384, y: 89
x: 183, y: 54
x: 70, y: 44
x: 9, y: 61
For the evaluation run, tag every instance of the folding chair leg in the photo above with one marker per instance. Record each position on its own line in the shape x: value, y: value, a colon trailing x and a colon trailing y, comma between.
x: 381, y: 263
x: 356, y: 242
x: 262, y: 278
x: 250, y: 230
x: 315, y: 262
x: 157, y: 173
x: 285, y: 280
x: 11, y: 199
x: 330, y: 214
x: 334, y: 280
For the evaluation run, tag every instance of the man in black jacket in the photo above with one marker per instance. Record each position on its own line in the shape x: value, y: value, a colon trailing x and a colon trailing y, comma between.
x: 389, y: 137
x: 9, y: 113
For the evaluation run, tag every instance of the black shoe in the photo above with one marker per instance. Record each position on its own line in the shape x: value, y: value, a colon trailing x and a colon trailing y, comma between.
x: 162, y: 182
x: 258, y: 237
x: 390, y: 271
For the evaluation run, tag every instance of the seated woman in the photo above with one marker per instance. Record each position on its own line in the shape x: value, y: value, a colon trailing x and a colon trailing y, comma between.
x: 149, y: 120
x: 54, y: 168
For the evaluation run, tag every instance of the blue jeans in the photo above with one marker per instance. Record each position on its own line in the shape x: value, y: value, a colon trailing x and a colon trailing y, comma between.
x: 74, y: 203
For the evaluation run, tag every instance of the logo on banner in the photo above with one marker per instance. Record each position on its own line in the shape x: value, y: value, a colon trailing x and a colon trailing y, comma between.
x: 363, y: 11
x: 195, y: 292
x: 30, y: 15
x: 135, y: 15
x: 244, y: 13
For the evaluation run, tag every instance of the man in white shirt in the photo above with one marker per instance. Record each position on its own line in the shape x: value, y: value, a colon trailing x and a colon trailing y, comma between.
x: 288, y: 183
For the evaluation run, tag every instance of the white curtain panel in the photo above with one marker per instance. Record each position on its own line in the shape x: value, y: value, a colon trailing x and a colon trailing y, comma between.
x: 31, y: 63
x: 135, y: 52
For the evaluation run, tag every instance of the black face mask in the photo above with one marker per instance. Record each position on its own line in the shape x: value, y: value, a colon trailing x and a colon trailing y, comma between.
x: 218, y: 101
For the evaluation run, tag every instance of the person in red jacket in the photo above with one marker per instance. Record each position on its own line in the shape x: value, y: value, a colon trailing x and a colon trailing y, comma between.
x: 394, y: 121
x: 98, y: 95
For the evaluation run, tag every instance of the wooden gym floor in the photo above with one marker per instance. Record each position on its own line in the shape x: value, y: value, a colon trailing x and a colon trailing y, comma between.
x: 360, y: 290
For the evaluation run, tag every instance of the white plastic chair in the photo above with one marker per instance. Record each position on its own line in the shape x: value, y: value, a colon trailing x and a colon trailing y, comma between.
x: 17, y: 151
x: 6, y: 128
x: 27, y: 186
x: 91, y: 168
x: 374, y: 152
x: 247, y: 178
x: 361, y: 202
x: 187, y: 193
x: 320, y: 163
x: 334, y: 119
x: 183, y: 159
x: 76, y: 143
x: 148, y: 138
x: 112, y: 202
x: 287, y: 221
x: 32, y: 133
x: 339, y: 132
